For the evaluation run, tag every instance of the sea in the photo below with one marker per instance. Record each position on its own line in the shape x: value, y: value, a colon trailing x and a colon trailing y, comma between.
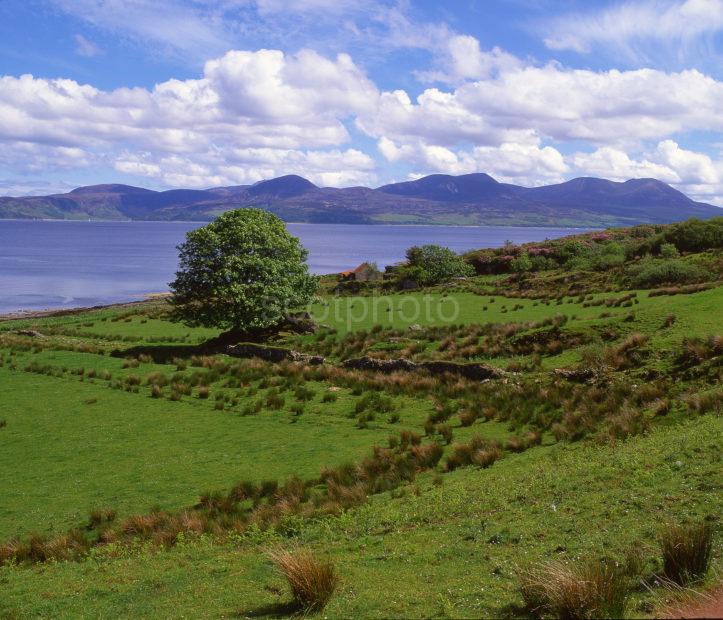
x: 70, y: 264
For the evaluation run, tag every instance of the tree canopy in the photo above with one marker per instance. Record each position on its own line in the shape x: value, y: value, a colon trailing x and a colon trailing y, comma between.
x: 242, y: 272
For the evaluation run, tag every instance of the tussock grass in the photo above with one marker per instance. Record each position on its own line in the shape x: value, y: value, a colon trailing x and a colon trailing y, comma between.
x: 686, y: 551
x: 312, y: 580
x: 594, y: 590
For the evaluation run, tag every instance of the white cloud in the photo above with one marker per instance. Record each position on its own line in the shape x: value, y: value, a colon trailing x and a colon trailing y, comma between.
x: 555, y: 103
x: 616, y: 165
x: 462, y: 59
x: 257, y: 114
x: 27, y: 157
x: 624, y: 27
x: 696, y: 174
x: 260, y: 103
x: 528, y: 164
x: 241, y: 166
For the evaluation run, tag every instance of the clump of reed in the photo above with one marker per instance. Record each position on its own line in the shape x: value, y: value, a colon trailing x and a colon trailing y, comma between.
x: 477, y: 451
x: 312, y: 580
x: 687, y: 551
x: 593, y: 590
x: 521, y: 443
x: 706, y: 401
x: 695, y: 351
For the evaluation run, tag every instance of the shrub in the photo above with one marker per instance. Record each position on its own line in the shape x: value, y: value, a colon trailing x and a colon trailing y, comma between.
x: 312, y: 581
x: 686, y: 551
x: 696, y: 235
x: 650, y: 273
x: 522, y: 263
x: 203, y: 392
x: 668, y: 251
x: 432, y: 264
x: 3, y: 423
x: 594, y: 590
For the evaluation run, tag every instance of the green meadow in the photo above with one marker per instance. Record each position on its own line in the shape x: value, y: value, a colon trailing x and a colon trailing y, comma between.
x: 143, y: 476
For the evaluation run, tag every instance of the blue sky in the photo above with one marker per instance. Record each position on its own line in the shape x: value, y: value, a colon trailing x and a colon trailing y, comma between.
x: 182, y: 93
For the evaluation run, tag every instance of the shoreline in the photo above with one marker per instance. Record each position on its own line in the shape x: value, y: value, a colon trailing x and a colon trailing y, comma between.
x: 19, y: 315
x: 204, y: 222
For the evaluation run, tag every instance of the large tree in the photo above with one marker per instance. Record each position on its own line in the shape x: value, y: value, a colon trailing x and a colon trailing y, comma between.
x: 242, y: 272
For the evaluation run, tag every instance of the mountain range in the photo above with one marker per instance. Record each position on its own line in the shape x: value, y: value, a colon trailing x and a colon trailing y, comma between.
x: 436, y: 199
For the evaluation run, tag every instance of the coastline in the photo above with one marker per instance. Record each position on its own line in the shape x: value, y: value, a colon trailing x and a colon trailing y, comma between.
x: 51, y: 312
x: 384, y: 224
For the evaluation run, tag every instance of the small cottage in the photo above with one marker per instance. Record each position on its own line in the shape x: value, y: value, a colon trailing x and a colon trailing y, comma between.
x: 363, y: 273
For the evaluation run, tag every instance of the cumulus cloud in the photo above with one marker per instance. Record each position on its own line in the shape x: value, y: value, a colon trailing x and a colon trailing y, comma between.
x: 257, y: 114
x: 555, y: 103
x: 529, y: 164
x: 243, y: 166
x: 626, y: 26
x: 697, y: 174
x: 256, y: 103
x: 28, y: 158
x: 460, y: 58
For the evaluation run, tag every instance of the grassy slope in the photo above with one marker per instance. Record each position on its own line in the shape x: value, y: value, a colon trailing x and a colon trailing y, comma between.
x: 74, y: 444
x: 132, y: 452
x: 451, y: 550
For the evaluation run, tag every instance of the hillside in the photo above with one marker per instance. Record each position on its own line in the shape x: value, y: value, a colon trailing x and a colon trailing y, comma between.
x: 436, y: 199
x: 445, y: 444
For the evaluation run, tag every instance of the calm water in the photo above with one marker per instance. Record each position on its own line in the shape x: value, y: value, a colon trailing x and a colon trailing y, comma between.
x: 71, y: 264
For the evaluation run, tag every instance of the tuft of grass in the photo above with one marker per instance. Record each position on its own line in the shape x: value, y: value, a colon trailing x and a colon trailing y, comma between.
x: 686, y: 551
x: 312, y: 580
x: 595, y: 590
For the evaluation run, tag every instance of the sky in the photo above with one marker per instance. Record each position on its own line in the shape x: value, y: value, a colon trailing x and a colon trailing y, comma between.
x: 200, y: 93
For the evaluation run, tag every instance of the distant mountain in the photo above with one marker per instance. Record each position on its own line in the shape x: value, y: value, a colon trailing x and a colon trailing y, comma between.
x: 435, y: 199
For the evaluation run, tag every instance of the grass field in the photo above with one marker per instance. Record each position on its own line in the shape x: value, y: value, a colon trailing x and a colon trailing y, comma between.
x: 600, y: 426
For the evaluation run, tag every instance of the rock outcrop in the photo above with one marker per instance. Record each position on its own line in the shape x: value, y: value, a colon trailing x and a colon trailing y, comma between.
x: 272, y: 354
